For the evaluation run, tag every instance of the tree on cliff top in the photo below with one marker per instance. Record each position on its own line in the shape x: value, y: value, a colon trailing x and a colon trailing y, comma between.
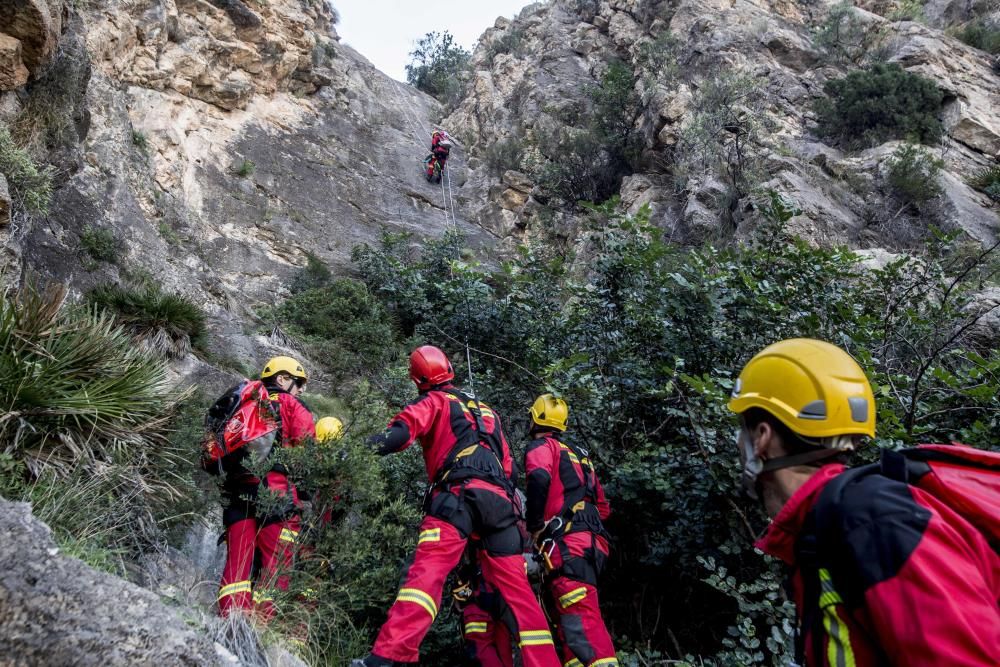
x: 436, y: 63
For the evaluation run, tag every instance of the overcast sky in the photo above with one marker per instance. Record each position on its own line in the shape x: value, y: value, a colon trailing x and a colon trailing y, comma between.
x: 384, y: 30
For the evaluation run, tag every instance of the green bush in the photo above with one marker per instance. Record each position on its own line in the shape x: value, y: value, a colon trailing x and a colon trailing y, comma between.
x: 503, y: 155
x: 342, y: 326
x: 30, y: 185
x: 100, y: 244
x: 246, y: 168
x: 981, y: 34
x: 845, y: 36
x: 168, y: 324
x: 878, y: 104
x: 86, y: 433
x: 437, y: 66
x: 509, y: 42
x: 315, y: 274
x: 908, y: 10
x: 914, y: 174
x: 988, y: 180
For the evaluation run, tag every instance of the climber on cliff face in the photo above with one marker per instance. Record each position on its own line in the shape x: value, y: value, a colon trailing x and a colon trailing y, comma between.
x: 441, y: 144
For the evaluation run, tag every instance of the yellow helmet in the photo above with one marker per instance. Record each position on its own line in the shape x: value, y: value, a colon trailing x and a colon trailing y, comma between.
x: 328, y: 428
x: 815, y: 389
x: 550, y: 411
x: 288, y: 365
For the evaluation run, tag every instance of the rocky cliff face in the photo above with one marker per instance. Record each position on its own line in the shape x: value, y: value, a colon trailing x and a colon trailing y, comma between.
x: 529, y: 71
x: 218, y: 143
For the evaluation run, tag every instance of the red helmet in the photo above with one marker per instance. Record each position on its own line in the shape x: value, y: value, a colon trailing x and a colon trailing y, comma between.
x: 429, y: 367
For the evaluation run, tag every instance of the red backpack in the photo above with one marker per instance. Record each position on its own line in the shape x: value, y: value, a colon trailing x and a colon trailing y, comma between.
x: 244, y: 416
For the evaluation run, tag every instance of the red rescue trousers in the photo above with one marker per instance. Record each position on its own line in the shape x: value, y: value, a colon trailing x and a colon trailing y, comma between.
x: 274, y: 542
x: 585, y: 639
x: 439, y: 549
x: 487, y: 642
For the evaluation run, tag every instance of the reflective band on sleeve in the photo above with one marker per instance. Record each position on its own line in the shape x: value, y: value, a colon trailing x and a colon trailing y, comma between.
x: 262, y: 596
x: 417, y: 596
x: 839, y: 652
x: 234, y: 588
x: 572, y: 597
x: 429, y: 535
x: 573, y: 662
x: 535, y: 638
x: 604, y: 662
x: 288, y: 535
x: 471, y: 628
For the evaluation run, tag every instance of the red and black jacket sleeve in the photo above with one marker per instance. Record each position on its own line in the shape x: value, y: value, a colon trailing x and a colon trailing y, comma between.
x: 539, y: 463
x: 412, y: 422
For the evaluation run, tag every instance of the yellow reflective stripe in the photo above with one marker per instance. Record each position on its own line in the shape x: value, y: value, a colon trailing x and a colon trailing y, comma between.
x: 839, y: 652
x: 572, y: 597
x: 580, y: 506
x: 476, y: 627
x: 573, y: 663
x: 468, y: 451
x: 429, y: 535
x: 417, y: 596
x: 288, y: 535
x: 604, y: 662
x: 234, y: 588
x: 535, y: 638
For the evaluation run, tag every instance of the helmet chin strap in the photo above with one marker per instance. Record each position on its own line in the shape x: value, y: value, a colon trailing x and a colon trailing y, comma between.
x: 802, y: 458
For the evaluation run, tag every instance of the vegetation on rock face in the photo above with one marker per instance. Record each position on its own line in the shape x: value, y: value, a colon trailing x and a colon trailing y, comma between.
x: 30, y: 184
x: 914, y: 173
x: 86, y: 433
x: 982, y: 34
x: 437, y: 66
x: 168, y: 324
x: 988, y: 180
x: 101, y: 245
x: 883, y: 102
x: 845, y: 36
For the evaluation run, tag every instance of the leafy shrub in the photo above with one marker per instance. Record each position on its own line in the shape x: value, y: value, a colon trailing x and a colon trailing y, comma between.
x: 988, y: 180
x: 878, y: 104
x: 509, y: 42
x: 87, y: 425
x: 30, y: 185
x: 168, y: 324
x: 246, y: 168
x: 140, y: 141
x: 908, y: 10
x: 503, y: 155
x: 101, y: 244
x: 845, y: 36
x: 315, y: 274
x: 981, y: 34
x: 913, y: 174
x: 343, y: 327
x: 437, y: 65
x: 587, y: 164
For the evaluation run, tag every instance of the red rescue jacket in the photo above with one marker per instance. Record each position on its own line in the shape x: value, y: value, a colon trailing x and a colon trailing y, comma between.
x: 559, y: 478
x: 919, y: 585
x: 444, y: 422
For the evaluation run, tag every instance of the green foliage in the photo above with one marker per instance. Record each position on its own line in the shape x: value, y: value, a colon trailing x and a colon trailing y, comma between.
x: 342, y: 326
x: 587, y: 164
x: 645, y: 339
x: 86, y: 433
x: 315, y: 274
x: 845, y: 36
x: 168, y: 324
x: 30, y: 185
x: 982, y: 34
x: 246, y: 168
x: 883, y: 102
x: 503, y: 155
x: 988, y: 180
x: 140, y: 141
x: 100, y: 244
x: 437, y: 66
x: 657, y: 58
x: 914, y: 174
x: 511, y: 41
x: 908, y: 10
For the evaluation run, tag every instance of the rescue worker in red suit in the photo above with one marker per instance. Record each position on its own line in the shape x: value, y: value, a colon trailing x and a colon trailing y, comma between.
x: 440, y: 150
x: 566, y: 508
x: 269, y: 532
x: 905, y: 580
x: 485, y: 618
x: 471, y: 495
